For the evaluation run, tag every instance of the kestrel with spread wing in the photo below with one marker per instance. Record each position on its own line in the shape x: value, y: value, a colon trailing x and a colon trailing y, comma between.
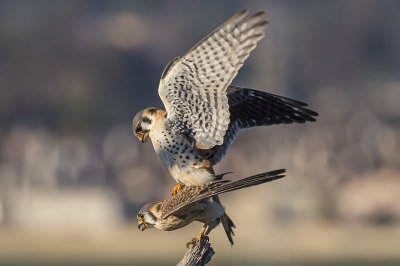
x: 192, y: 203
x: 203, y: 112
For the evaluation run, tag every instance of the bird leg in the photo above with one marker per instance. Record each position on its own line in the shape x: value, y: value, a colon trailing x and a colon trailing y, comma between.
x: 176, y: 189
x: 198, y: 238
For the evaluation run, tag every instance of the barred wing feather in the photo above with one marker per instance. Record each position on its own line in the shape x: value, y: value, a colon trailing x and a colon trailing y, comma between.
x: 193, y: 88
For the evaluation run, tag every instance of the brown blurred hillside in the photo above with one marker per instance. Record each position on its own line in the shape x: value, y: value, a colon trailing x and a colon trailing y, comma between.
x: 73, y: 176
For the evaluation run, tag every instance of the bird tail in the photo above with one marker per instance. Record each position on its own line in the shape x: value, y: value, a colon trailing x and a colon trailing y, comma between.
x: 226, y: 221
x: 226, y: 186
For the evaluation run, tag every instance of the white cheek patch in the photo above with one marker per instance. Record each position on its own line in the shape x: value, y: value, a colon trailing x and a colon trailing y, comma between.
x: 146, y: 121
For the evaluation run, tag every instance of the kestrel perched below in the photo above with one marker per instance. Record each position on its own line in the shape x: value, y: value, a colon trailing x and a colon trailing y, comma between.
x: 192, y: 203
x: 203, y: 112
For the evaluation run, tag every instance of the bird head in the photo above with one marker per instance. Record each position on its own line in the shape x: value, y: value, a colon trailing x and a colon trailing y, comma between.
x: 143, y: 122
x: 149, y: 215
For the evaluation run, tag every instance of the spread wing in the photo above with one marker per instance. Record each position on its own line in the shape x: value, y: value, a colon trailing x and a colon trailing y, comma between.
x: 251, y: 108
x: 192, y: 194
x: 193, y: 88
x: 184, y: 198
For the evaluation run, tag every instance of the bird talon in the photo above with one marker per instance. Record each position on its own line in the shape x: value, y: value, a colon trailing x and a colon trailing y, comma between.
x: 198, y: 238
x: 191, y: 243
x: 176, y: 189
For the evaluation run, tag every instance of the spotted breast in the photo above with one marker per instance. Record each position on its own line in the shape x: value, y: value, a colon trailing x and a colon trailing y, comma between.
x: 185, y: 163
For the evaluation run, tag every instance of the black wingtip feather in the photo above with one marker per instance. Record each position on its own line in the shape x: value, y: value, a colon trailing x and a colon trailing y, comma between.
x: 259, y: 108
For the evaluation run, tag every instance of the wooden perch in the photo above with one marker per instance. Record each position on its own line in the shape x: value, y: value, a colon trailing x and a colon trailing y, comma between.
x: 197, y: 255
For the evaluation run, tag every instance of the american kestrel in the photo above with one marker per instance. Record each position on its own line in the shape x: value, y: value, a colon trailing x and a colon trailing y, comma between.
x: 203, y: 113
x: 192, y: 203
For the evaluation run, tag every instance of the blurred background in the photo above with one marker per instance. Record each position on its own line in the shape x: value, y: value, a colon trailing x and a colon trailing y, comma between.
x: 72, y: 175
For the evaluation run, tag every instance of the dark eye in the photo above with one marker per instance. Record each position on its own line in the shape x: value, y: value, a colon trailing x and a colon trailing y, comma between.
x: 139, y: 129
x: 140, y: 216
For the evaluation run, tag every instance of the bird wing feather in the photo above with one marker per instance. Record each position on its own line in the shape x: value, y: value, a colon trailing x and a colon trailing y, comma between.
x: 193, y: 88
x: 191, y: 194
x: 250, y: 108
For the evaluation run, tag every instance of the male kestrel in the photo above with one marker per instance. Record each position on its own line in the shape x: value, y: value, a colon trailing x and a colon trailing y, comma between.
x: 203, y: 112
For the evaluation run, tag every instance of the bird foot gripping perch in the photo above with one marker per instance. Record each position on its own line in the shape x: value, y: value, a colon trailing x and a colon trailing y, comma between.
x: 191, y: 202
x: 198, y: 239
x: 198, y: 254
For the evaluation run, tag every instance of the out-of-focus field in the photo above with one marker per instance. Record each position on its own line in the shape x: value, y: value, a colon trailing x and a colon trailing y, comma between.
x: 73, y: 176
x: 310, y: 244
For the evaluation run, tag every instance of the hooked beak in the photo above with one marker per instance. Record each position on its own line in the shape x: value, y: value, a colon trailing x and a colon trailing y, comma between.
x: 143, y: 137
x: 141, y: 225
